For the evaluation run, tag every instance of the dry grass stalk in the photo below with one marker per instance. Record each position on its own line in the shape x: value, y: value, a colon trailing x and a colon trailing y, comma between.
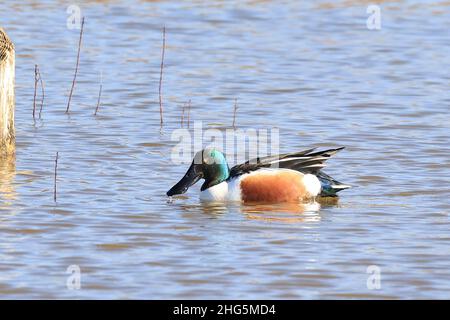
x: 36, y: 80
x: 99, y: 94
x: 234, y: 113
x: 56, y: 172
x: 189, y: 114
x: 182, y: 115
x: 76, y: 67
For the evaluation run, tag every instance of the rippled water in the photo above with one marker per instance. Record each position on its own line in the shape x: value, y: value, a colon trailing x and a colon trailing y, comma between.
x: 311, y: 69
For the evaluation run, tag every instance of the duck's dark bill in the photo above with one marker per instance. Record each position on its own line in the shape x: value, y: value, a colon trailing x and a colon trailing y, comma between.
x: 190, y: 178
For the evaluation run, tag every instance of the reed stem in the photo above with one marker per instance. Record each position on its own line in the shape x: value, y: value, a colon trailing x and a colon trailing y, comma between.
x: 35, y: 89
x: 56, y: 173
x: 42, y: 92
x: 182, y: 115
x: 99, y: 94
x: 76, y: 67
x: 234, y: 113
x: 189, y: 114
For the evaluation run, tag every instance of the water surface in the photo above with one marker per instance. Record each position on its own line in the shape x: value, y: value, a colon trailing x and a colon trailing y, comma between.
x: 312, y: 69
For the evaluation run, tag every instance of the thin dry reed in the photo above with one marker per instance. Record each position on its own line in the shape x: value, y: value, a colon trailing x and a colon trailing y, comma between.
x: 56, y: 172
x: 76, y: 67
x: 36, y: 80
x: 99, y: 94
x: 182, y: 115
x: 234, y: 113
x: 189, y: 114
x: 42, y: 92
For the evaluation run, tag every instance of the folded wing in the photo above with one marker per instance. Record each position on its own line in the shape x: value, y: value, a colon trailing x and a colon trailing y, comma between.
x: 306, y: 161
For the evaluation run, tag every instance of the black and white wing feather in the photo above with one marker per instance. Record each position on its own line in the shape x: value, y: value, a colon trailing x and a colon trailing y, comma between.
x: 305, y: 161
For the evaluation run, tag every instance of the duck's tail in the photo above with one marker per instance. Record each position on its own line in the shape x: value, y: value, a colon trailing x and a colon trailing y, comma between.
x: 330, y: 186
x: 313, y: 162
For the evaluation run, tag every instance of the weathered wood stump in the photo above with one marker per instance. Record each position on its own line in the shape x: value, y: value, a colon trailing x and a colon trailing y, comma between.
x: 7, y: 97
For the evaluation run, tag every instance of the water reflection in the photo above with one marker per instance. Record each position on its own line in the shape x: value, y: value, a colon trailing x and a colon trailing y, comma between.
x: 285, y: 212
x: 7, y: 176
x: 213, y: 208
x: 292, y: 212
x: 328, y: 201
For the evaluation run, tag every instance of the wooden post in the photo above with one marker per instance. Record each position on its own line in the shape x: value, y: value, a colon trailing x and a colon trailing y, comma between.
x: 7, y: 98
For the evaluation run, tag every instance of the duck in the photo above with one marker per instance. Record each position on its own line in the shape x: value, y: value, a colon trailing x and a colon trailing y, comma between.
x: 288, y: 177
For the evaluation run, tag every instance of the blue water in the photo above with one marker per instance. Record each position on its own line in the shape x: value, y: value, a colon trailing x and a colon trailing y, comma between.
x: 311, y: 69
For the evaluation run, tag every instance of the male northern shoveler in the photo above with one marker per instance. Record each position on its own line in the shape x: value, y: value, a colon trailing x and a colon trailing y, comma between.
x: 283, y: 178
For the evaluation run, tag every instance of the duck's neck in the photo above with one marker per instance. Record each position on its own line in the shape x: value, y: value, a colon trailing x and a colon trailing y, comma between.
x: 215, y: 174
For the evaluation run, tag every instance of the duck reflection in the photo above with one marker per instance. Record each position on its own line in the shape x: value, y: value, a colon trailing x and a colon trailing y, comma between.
x: 286, y: 212
x: 292, y: 212
x: 328, y: 201
x: 7, y: 176
x: 216, y: 208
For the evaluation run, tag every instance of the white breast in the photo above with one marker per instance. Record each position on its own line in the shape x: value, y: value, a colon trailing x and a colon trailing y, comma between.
x: 218, y: 192
x: 225, y: 191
